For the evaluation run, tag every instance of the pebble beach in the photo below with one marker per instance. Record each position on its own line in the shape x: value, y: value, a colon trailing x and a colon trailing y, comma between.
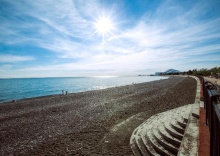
x: 96, y: 122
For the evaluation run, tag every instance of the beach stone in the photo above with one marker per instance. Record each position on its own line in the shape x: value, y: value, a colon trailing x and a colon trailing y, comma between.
x: 88, y: 118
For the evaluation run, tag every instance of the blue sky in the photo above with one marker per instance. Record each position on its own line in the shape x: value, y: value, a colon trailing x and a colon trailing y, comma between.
x: 56, y: 38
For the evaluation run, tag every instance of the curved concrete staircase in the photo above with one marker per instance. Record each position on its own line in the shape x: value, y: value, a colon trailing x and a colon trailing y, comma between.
x: 174, y: 132
x: 163, y: 133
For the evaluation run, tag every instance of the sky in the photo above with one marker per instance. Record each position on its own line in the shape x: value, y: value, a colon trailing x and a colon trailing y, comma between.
x: 65, y: 38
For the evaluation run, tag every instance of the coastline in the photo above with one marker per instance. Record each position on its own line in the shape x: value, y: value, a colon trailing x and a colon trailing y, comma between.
x: 87, y: 123
x: 26, y: 88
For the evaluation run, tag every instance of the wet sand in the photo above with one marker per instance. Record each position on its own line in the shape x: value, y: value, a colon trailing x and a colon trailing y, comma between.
x: 89, y: 123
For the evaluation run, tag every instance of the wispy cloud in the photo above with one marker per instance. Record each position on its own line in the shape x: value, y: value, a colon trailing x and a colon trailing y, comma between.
x: 14, y: 58
x: 171, y: 35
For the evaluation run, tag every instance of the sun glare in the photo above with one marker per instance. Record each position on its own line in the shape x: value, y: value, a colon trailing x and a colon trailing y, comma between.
x: 104, y: 25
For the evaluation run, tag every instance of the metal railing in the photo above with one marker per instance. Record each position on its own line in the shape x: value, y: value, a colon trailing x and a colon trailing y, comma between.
x: 212, y: 106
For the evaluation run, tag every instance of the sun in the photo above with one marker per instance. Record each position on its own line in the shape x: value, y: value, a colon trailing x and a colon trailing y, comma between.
x: 104, y: 25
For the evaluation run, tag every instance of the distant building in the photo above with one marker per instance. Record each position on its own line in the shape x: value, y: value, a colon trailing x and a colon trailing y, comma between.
x: 158, y: 73
x: 171, y: 72
x: 168, y: 72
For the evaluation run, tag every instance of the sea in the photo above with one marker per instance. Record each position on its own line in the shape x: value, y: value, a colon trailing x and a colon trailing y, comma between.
x: 22, y: 88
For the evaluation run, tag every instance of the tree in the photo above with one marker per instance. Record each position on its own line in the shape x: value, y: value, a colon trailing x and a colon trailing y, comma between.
x: 203, y: 71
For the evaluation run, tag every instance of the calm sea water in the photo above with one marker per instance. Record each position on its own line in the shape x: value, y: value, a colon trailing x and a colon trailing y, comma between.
x: 21, y: 88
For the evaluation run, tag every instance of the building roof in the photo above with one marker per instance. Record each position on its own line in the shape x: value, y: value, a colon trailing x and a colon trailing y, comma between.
x: 171, y: 71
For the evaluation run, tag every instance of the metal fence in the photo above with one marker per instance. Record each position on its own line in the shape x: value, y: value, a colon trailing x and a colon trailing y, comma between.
x: 212, y: 106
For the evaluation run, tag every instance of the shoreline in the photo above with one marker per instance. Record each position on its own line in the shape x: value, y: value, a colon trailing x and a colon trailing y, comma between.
x: 75, y: 92
x: 57, y: 95
x: 88, y: 123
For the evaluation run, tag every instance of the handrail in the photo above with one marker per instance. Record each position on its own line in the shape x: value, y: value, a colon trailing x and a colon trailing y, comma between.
x: 212, y: 106
x: 217, y: 110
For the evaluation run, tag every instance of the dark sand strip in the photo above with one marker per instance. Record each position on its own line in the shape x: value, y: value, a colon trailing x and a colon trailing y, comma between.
x: 89, y: 123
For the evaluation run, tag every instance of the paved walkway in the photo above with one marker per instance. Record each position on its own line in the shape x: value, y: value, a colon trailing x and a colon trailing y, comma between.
x: 204, y: 138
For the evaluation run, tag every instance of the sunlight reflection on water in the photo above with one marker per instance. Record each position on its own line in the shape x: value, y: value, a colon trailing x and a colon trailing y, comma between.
x: 33, y: 87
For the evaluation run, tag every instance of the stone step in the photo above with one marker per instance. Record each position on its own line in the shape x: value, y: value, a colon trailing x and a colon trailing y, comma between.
x: 164, y: 117
x: 133, y: 144
x: 136, y: 144
x: 177, y: 127
x: 189, y: 144
x: 160, y: 149
x: 161, y: 134
x: 173, y: 132
x: 151, y: 150
x: 170, y: 147
x: 182, y: 124
x: 169, y: 138
x: 149, y: 133
x: 142, y: 146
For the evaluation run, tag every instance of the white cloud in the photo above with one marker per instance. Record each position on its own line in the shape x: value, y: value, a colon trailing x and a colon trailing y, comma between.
x: 160, y: 39
x: 14, y: 58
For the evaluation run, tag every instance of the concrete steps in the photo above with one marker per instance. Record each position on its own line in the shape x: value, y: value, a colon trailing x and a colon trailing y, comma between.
x: 162, y: 134
x: 189, y: 145
x: 169, y: 138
